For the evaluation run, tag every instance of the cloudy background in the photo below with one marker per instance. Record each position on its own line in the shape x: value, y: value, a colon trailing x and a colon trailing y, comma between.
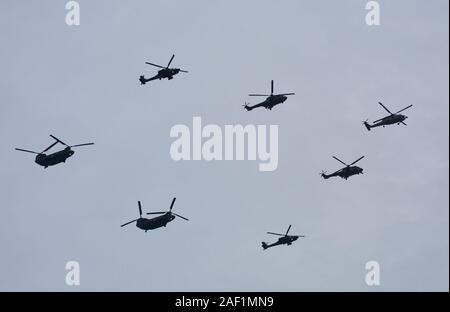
x: 81, y: 84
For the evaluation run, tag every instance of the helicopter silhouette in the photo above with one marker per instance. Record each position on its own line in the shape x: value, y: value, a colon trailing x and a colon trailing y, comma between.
x: 270, y: 101
x: 285, y: 239
x: 157, y: 222
x: 52, y: 159
x: 388, y: 120
x: 346, y: 172
x: 164, y: 72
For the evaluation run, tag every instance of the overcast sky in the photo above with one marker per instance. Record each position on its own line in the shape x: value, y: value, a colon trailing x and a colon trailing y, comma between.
x: 81, y: 84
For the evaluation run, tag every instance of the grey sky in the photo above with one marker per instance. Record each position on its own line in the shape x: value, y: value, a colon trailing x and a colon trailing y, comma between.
x: 81, y: 84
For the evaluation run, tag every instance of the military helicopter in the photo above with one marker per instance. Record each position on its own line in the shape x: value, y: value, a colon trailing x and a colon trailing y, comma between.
x: 164, y: 72
x: 285, y: 239
x: 270, y: 101
x: 345, y: 172
x: 55, y: 158
x: 388, y: 120
x: 157, y: 222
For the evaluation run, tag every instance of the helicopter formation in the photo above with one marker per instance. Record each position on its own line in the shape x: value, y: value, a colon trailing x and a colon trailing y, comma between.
x: 165, y: 217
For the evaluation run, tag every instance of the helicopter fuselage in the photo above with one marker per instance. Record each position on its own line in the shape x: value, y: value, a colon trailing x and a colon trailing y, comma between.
x: 162, y: 73
x: 284, y: 240
x: 390, y: 120
x: 154, y: 223
x: 269, y: 102
x: 344, y: 173
x: 55, y: 158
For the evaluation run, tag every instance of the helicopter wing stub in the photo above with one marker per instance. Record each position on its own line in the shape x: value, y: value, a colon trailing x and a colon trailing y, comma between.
x: 403, y: 109
x: 385, y: 108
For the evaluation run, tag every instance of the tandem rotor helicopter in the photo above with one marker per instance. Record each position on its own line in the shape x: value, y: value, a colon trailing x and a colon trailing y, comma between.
x: 164, y: 72
x: 346, y: 172
x: 270, y: 101
x: 285, y: 239
x: 55, y: 158
x: 391, y: 119
x: 157, y: 222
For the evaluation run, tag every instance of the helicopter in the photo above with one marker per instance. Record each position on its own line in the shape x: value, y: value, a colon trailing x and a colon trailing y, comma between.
x: 285, y: 239
x: 388, y: 120
x: 55, y: 158
x: 164, y: 72
x: 157, y: 222
x: 345, y: 172
x: 270, y: 101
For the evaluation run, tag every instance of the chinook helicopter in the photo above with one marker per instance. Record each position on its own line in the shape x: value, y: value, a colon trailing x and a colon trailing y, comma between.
x: 388, y: 120
x: 164, y: 72
x: 345, y: 172
x: 285, y: 239
x: 55, y: 158
x: 270, y: 101
x: 157, y: 222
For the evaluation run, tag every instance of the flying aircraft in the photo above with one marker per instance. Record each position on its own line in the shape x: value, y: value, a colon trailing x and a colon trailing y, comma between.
x: 157, y: 222
x: 285, y: 239
x: 345, y: 172
x: 270, y: 101
x: 52, y: 159
x: 388, y: 120
x: 164, y: 72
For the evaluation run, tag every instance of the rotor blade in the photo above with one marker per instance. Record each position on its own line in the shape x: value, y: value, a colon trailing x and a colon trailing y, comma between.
x: 183, y: 71
x: 271, y: 87
x: 154, y: 65
x: 286, y: 94
x: 170, y: 60
x: 140, y: 208
x: 159, y: 212
x: 288, y: 229
x: 339, y: 160
x: 180, y: 216
x: 49, y: 147
x: 275, y: 234
x: 357, y: 160
x: 404, y: 123
x: 82, y: 144
x: 403, y: 109
x: 128, y: 222
x: 58, y: 140
x: 258, y: 95
x: 385, y: 108
x: 173, y: 202
x: 23, y: 150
